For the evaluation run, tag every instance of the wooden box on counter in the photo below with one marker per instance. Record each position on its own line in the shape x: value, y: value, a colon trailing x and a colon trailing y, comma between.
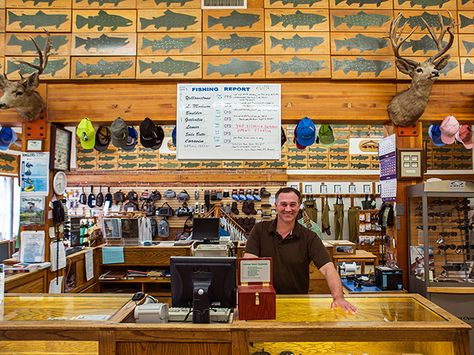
x: 256, y: 296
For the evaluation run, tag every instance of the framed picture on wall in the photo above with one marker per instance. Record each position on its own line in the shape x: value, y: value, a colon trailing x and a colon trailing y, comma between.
x: 409, y: 163
x: 60, y: 157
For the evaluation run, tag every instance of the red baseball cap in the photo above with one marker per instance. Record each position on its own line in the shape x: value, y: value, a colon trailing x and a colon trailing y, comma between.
x: 464, y: 136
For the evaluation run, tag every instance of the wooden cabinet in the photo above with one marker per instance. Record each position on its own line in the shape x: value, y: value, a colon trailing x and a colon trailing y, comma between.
x: 30, y: 282
x: 75, y: 280
x: 153, y: 261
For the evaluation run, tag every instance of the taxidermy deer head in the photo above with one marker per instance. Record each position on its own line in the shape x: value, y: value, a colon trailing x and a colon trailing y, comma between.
x: 21, y: 94
x: 408, y: 106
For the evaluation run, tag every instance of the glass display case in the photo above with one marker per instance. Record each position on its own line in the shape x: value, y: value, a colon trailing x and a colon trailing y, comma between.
x: 441, y: 238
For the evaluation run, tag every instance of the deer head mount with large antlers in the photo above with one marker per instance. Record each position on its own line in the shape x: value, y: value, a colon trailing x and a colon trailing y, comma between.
x: 21, y: 94
x: 408, y: 106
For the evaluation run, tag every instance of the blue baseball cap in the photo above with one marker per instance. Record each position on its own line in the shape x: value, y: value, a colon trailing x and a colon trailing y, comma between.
x: 173, y: 136
x: 305, y: 132
x: 435, y: 134
x: 7, y: 138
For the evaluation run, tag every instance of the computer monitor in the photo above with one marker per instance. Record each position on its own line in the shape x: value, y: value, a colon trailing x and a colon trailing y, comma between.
x: 206, y: 229
x: 202, y: 283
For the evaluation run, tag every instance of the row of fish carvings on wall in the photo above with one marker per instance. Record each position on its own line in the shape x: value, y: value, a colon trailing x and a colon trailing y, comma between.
x: 175, y: 39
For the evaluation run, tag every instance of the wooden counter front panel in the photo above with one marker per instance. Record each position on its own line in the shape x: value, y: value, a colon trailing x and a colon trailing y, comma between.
x: 134, y: 348
x: 32, y: 282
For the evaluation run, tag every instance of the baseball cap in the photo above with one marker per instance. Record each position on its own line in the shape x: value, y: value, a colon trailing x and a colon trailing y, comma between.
x: 299, y: 146
x: 132, y: 139
x: 119, y: 132
x: 173, y: 136
x: 449, y: 127
x: 326, y: 135
x: 151, y: 135
x: 305, y: 133
x: 86, y: 133
x: 434, y: 132
x: 7, y: 137
x: 464, y: 136
x: 102, y: 138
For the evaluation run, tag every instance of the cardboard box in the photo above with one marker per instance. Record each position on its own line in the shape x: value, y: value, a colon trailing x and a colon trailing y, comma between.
x: 256, y: 296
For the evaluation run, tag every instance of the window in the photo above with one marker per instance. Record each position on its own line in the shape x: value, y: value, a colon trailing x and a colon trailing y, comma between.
x: 9, y: 207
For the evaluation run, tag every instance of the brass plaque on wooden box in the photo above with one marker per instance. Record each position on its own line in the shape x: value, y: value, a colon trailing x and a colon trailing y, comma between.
x: 352, y: 43
x: 175, y: 20
x: 156, y: 4
x: 420, y: 44
x: 361, y: 4
x: 104, y: 21
x: 435, y: 5
x: 467, y: 68
x: 225, y: 43
x: 466, y: 45
x: 38, y: 20
x: 21, y: 43
x: 50, y: 4
x: 414, y: 19
x: 298, y: 4
x: 297, y: 43
x: 57, y: 67
x: 450, y: 72
x: 103, y: 68
x: 169, y: 43
x: 225, y: 67
x: 363, y: 67
x: 104, y: 4
x: 169, y: 67
x: 361, y: 20
x: 104, y: 44
x: 296, y: 20
x: 233, y: 20
x: 298, y: 66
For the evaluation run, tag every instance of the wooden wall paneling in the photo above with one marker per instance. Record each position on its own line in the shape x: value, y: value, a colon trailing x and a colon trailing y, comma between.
x: 296, y: 20
x: 169, y: 4
x: 176, y: 20
x: 422, y: 45
x: 52, y: 4
x: 452, y: 71
x: 464, y: 5
x: 233, y: 43
x: 169, y: 43
x: 414, y: 19
x: 233, y: 67
x: 467, y: 68
x: 361, y: 20
x: 352, y: 43
x: 294, y: 66
x: 449, y: 98
x: 101, y: 4
x: 296, y: 43
x: 2, y: 64
x: 91, y: 44
x: 2, y: 4
x: 102, y: 68
x: 425, y: 5
x: 2, y: 20
x: 466, y: 21
x: 20, y: 44
x: 30, y: 20
x: 233, y: 20
x: 104, y: 21
x: 169, y: 67
x: 361, y: 4
x: 56, y: 69
x: 363, y: 67
x: 292, y: 4
x: 466, y: 45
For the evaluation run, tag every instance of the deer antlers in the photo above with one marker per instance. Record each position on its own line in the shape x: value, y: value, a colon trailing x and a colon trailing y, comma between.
x: 408, y: 106
x: 21, y: 94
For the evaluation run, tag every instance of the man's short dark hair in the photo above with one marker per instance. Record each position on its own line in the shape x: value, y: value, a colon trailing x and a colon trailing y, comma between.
x: 288, y: 189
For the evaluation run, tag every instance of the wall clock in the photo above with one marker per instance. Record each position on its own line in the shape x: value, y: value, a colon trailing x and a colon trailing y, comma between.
x: 59, y: 183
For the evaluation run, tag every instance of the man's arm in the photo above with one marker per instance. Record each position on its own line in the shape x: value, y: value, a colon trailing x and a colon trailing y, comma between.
x: 334, y: 283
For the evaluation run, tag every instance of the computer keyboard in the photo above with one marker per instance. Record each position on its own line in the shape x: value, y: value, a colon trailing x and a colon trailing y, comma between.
x: 183, y: 314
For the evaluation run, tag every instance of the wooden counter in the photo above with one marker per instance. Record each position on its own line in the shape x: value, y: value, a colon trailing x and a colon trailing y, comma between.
x: 388, y: 324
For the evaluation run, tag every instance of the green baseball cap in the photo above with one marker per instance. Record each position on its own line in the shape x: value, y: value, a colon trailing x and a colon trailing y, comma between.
x: 86, y: 133
x: 325, y: 135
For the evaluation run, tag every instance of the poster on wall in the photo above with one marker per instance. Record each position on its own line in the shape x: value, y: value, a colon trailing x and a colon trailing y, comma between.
x: 32, y: 246
x: 388, y: 169
x: 31, y: 210
x: 229, y: 121
x: 34, y: 172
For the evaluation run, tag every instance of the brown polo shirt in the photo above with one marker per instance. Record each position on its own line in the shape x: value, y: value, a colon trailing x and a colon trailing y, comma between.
x: 290, y: 256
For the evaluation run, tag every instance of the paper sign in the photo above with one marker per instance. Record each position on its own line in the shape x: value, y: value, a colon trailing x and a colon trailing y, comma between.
x: 255, y: 270
x: 112, y: 255
x: 89, y: 265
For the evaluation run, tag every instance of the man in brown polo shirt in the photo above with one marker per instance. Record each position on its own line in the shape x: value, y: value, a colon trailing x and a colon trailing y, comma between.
x: 292, y: 247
